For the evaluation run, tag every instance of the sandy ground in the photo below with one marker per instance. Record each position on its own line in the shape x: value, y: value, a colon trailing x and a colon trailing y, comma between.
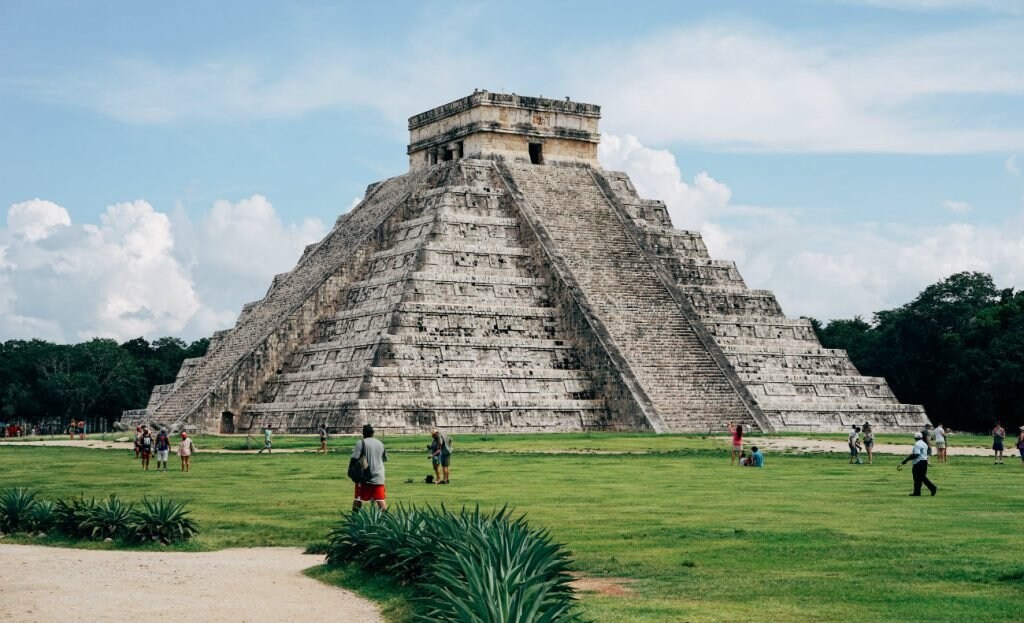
x: 44, y: 584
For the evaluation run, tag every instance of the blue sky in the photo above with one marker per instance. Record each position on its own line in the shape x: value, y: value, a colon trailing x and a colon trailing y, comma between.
x: 159, y: 162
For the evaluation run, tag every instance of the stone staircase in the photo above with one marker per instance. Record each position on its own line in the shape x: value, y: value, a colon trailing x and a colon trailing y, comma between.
x: 797, y: 384
x: 239, y: 359
x: 687, y: 386
x: 452, y: 326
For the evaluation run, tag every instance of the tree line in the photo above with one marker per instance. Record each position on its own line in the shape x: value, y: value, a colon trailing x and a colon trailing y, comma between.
x: 45, y: 384
x: 957, y: 349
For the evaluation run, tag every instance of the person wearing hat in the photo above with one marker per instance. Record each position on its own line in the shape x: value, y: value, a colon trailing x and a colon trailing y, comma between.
x: 371, y: 489
x: 185, y: 450
x: 919, y: 455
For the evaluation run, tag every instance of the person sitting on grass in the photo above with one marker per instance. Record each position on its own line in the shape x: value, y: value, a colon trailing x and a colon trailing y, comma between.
x: 744, y: 459
x: 756, y: 458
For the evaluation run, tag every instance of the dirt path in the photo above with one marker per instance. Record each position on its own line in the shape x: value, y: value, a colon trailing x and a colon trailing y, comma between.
x: 51, y: 584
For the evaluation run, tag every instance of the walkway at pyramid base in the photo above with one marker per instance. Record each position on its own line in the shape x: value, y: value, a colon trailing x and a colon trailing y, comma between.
x: 496, y: 296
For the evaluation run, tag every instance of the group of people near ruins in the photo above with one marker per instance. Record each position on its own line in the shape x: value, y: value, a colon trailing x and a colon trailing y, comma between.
x: 370, y: 456
x: 756, y: 457
x: 930, y: 441
x: 146, y: 445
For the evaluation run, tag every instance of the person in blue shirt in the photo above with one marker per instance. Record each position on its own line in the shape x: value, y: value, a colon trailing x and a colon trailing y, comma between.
x: 919, y: 455
x: 756, y: 458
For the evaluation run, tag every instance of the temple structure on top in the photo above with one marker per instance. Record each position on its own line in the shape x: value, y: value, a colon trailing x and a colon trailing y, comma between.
x: 507, y: 283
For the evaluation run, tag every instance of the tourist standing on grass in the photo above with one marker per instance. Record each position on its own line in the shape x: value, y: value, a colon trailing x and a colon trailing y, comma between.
x: 756, y: 458
x: 1020, y: 445
x: 163, y: 448
x: 371, y: 489
x: 323, y: 439
x: 998, y: 435
x: 72, y: 427
x: 435, y: 457
x: 81, y: 429
x: 145, y: 448
x: 919, y: 455
x: 185, y: 450
x: 940, y: 442
x: 854, y: 443
x: 268, y: 432
x: 737, y: 441
x: 443, y: 454
x: 869, y: 441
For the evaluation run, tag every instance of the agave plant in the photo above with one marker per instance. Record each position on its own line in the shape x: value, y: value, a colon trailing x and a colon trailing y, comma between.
x: 110, y: 518
x: 469, y: 566
x: 499, y: 570
x: 72, y: 517
x: 15, y: 509
x: 42, y: 517
x: 162, y: 520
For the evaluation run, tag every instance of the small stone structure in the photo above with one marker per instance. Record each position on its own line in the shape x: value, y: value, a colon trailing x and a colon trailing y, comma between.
x: 508, y: 283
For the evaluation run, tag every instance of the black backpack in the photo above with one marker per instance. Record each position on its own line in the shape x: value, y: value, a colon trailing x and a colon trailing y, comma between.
x: 359, y: 468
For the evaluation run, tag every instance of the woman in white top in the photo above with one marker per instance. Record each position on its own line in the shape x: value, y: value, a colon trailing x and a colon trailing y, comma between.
x: 940, y: 442
x: 185, y: 451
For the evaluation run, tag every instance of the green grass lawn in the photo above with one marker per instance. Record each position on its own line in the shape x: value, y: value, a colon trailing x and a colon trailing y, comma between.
x: 808, y: 538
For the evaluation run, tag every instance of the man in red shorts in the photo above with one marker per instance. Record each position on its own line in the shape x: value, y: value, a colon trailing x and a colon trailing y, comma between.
x: 372, y: 489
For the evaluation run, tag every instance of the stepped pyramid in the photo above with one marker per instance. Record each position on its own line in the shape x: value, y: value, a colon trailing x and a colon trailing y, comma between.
x: 507, y: 283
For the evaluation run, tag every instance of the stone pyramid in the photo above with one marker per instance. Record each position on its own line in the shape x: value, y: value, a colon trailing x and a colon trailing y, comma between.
x: 507, y: 283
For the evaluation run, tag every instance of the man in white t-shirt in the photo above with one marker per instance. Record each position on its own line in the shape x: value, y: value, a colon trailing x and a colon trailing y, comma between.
x: 919, y: 455
x: 940, y: 442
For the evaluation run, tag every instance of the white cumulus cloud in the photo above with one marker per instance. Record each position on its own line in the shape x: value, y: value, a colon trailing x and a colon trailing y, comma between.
x: 138, y: 271
x: 36, y: 219
x: 821, y: 270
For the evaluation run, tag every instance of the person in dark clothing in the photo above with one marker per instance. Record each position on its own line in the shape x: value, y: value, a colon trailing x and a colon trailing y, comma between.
x: 919, y: 455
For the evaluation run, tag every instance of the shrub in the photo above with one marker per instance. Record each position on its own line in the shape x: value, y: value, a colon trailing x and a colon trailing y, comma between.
x: 162, y: 520
x: 42, y: 517
x: 110, y: 518
x: 72, y: 517
x: 15, y: 509
x: 468, y: 566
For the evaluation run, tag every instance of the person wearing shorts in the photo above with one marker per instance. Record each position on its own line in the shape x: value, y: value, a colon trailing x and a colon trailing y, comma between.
x: 998, y: 434
x: 163, y: 448
x: 185, y: 450
x: 372, y: 489
x: 737, y: 441
x: 869, y: 441
x: 940, y: 442
x: 442, y: 449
